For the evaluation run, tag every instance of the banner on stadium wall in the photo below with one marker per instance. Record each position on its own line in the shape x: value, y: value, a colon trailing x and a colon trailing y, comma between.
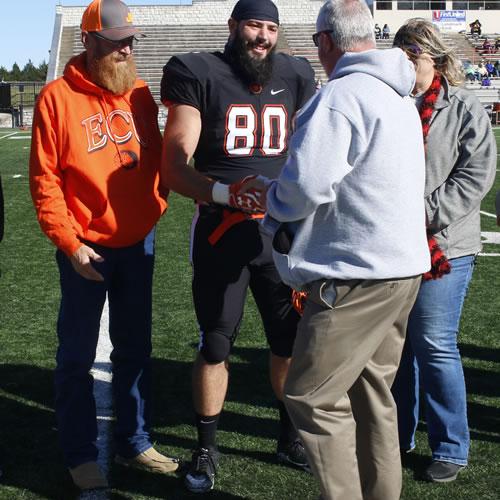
x: 449, y: 20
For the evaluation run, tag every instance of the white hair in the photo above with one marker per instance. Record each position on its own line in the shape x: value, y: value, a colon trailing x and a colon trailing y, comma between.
x: 350, y: 21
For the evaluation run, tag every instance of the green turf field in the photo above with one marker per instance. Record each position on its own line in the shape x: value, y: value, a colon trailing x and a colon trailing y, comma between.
x: 29, y: 302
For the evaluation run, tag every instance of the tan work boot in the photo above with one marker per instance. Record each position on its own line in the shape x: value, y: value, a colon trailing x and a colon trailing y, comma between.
x: 88, y: 476
x: 151, y: 461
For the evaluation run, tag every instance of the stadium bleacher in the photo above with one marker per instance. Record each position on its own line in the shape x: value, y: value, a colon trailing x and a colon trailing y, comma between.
x: 152, y: 52
x: 163, y: 41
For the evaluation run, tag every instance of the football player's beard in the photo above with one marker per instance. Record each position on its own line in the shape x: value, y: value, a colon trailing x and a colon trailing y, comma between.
x: 251, y: 69
x: 118, y: 75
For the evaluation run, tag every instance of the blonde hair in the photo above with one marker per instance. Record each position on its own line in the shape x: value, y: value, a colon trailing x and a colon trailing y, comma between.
x: 426, y: 36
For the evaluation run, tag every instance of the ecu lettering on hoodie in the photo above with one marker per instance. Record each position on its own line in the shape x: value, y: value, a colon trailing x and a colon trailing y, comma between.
x: 94, y: 165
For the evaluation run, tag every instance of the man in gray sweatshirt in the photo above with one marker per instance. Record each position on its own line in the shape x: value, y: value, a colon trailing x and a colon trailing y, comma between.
x: 352, y: 196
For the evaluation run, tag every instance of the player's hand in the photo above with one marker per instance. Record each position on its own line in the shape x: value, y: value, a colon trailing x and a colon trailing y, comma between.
x: 82, y: 263
x: 256, y: 186
x: 245, y: 197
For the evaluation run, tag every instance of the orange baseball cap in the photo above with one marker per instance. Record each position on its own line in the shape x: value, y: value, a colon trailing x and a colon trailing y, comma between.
x: 112, y: 19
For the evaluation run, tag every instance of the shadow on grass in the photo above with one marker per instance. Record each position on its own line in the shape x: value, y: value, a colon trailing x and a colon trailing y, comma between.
x: 136, y: 482
x: 480, y: 352
x: 484, y: 422
x: 32, y: 461
x: 30, y: 453
x: 416, y: 463
x: 482, y: 382
x: 248, y: 385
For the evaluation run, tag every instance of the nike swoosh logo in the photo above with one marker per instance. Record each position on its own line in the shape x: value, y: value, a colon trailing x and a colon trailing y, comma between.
x: 274, y: 92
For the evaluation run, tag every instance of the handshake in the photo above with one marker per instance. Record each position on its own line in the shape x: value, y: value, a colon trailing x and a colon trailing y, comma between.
x: 247, y: 195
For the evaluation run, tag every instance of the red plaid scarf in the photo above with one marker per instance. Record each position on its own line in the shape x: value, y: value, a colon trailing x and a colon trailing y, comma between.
x: 439, y: 263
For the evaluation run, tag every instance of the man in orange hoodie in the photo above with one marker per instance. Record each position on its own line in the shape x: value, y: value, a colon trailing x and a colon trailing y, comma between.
x: 94, y: 165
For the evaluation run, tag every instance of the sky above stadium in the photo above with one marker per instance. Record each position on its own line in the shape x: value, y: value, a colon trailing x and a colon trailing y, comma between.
x: 27, y: 26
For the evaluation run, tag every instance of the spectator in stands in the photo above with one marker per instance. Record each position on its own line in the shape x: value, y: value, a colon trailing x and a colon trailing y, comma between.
x: 481, y: 70
x: 378, y: 32
x: 386, y: 32
x: 475, y: 28
x: 461, y: 149
x: 490, y: 68
x: 488, y: 47
x: 497, y: 44
x: 477, y: 74
x: 470, y: 73
x: 94, y: 176
x: 485, y: 81
x: 497, y: 67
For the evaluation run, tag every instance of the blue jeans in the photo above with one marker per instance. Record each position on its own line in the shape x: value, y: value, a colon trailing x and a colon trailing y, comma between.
x: 431, y: 350
x: 127, y: 276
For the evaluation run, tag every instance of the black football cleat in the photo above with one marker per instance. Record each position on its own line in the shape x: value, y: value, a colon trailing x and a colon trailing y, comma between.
x: 200, y: 477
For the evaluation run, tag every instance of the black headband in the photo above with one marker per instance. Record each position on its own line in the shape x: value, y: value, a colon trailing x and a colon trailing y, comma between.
x: 263, y: 10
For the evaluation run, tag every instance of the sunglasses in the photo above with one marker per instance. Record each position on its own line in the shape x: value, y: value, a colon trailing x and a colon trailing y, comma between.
x: 411, y: 49
x: 315, y: 37
x: 116, y: 44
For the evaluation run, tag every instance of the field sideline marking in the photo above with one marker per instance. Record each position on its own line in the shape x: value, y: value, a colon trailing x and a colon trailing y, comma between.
x: 26, y: 402
x: 487, y: 214
x: 8, y: 135
x: 101, y: 372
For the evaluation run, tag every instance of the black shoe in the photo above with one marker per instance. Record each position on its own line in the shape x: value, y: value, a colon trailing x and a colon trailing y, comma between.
x: 292, y: 453
x: 442, y: 472
x: 200, y: 477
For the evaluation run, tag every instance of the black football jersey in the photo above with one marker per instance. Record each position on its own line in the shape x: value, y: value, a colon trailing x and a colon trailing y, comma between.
x: 243, y: 132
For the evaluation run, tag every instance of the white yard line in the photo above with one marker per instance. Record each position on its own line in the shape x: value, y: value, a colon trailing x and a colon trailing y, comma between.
x: 487, y: 214
x: 8, y: 135
x: 102, y: 392
x: 20, y: 137
x: 489, y: 254
x: 27, y: 402
x: 490, y: 237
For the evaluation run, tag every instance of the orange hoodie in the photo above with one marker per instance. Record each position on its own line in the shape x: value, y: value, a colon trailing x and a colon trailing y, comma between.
x: 94, y: 162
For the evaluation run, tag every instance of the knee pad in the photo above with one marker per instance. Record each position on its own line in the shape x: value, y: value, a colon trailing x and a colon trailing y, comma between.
x: 215, y: 347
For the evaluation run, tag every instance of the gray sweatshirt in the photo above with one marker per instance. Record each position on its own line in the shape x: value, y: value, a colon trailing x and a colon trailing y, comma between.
x: 461, y: 164
x: 352, y: 189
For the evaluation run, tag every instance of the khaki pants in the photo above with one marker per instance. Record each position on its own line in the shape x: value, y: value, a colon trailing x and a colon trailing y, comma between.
x: 338, y: 392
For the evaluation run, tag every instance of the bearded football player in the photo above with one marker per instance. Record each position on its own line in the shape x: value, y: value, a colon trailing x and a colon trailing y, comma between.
x: 232, y: 112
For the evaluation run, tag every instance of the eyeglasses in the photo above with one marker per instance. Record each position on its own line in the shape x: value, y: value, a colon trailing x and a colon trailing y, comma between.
x: 315, y: 37
x: 116, y: 44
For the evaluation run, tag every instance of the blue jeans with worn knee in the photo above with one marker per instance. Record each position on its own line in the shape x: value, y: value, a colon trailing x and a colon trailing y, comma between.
x: 431, y: 361
x: 127, y: 282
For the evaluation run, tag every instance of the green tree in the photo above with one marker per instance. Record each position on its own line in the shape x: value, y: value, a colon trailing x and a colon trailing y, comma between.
x: 29, y: 72
x: 42, y: 71
x: 16, y: 73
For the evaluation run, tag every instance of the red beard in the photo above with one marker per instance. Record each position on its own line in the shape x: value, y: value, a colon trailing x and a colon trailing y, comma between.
x: 114, y: 72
